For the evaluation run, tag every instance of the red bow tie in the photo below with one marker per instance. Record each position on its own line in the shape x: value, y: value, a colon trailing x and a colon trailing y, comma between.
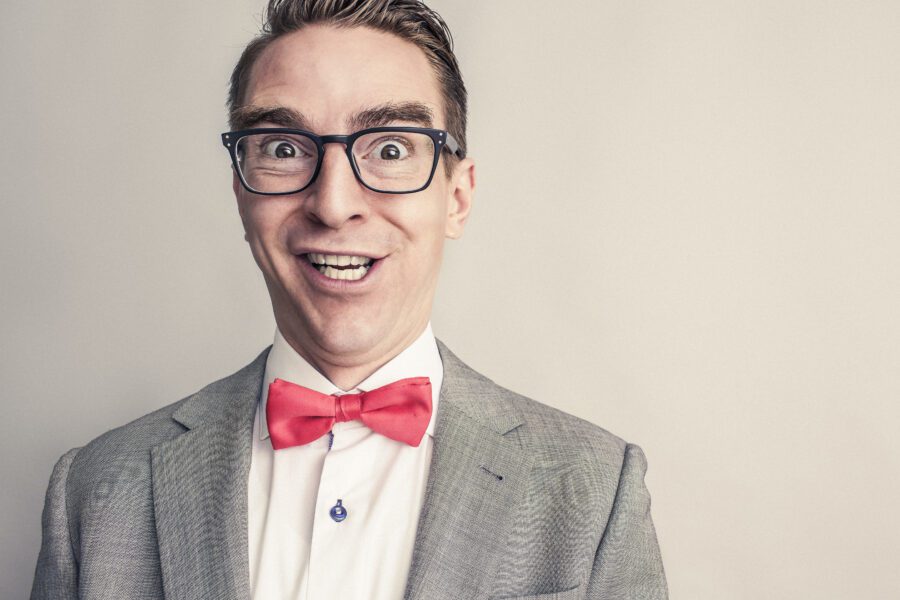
x: 297, y: 415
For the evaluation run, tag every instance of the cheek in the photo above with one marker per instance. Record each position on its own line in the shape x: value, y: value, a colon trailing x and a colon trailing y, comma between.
x: 428, y: 219
x: 262, y: 219
x: 423, y: 235
x: 248, y: 210
x: 428, y: 241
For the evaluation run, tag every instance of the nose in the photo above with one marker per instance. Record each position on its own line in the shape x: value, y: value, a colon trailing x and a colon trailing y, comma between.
x: 336, y: 197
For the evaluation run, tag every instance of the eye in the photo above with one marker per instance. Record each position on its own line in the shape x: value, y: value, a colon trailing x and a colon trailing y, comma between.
x: 390, y: 150
x: 281, y: 149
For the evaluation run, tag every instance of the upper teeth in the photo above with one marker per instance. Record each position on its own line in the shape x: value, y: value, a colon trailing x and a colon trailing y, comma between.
x: 340, y: 266
x: 337, y: 260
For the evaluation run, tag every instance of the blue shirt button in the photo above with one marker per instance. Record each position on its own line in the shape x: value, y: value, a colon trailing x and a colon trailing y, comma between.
x: 338, y: 512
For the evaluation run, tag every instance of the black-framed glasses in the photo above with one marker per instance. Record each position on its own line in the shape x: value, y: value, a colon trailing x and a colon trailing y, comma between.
x: 391, y: 160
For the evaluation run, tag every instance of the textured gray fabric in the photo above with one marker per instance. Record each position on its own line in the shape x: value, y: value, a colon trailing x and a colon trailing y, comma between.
x: 523, y: 502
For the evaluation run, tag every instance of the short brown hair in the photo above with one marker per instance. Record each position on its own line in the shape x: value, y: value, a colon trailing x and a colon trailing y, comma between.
x: 410, y: 20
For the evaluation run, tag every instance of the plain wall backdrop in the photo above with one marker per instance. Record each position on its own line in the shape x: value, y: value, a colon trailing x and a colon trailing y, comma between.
x: 686, y: 230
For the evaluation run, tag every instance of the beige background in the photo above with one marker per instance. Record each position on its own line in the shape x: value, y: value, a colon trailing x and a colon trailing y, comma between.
x: 686, y: 231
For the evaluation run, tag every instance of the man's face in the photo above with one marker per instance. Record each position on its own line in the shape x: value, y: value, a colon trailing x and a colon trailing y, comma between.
x: 330, y: 81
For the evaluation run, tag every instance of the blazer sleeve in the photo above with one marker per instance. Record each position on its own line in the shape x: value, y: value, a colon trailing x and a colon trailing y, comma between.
x: 628, y: 565
x: 56, y: 574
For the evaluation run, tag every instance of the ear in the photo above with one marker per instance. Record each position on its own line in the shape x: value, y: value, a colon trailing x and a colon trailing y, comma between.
x: 460, y: 193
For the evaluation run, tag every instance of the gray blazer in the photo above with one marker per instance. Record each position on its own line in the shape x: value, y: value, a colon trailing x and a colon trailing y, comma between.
x: 523, y: 501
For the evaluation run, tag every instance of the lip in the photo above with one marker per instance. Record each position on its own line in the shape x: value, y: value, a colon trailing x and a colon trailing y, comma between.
x: 304, y: 251
x: 323, y: 283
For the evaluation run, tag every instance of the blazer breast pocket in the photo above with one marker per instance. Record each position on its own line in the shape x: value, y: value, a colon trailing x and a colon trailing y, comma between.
x: 570, y: 594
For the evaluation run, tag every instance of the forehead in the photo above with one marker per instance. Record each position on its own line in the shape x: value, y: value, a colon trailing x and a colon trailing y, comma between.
x: 329, y: 74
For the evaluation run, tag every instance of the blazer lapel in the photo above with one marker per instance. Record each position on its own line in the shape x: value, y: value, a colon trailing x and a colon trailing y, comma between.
x: 200, y: 490
x: 476, y: 483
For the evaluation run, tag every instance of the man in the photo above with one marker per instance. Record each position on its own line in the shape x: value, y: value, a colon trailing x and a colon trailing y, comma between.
x: 357, y: 457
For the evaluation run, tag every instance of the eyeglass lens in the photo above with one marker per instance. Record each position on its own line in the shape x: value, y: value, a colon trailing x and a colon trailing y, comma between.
x: 388, y: 161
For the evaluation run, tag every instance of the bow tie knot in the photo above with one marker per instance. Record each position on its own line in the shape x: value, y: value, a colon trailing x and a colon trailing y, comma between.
x: 348, y: 407
x: 296, y: 415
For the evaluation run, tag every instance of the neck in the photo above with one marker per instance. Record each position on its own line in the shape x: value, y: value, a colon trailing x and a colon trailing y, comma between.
x: 346, y: 378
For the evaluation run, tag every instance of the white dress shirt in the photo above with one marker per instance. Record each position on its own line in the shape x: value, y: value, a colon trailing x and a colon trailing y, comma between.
x: 297, y: 551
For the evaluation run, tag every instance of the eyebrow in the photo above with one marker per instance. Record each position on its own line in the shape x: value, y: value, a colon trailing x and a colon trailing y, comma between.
x: 246, y: 117
x: 390, y: 113
x: 418, y: 113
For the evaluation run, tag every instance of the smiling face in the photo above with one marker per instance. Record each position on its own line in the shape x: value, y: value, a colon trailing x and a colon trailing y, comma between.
x: 347, y: 318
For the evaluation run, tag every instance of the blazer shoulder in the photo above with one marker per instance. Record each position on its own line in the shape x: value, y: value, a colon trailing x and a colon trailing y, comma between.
x: 550, y: 426
x: 129, y: 443
x: 538, y: 427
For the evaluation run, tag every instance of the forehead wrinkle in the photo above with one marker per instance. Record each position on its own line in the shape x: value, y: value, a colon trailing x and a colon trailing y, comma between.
x: 391, y: 113
x: 246, y: 117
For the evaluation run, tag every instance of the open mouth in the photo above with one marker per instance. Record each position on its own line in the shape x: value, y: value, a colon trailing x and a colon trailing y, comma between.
x: 340, y: 266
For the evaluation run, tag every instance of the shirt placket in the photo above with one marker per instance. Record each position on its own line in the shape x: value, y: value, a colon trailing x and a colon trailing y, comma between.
x: 335, y: 535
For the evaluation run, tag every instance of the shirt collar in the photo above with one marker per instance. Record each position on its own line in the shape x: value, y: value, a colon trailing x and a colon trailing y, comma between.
x: 419, y: 359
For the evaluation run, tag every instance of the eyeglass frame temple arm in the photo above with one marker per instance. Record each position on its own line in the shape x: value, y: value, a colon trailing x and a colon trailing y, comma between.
x: 453, y: 146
